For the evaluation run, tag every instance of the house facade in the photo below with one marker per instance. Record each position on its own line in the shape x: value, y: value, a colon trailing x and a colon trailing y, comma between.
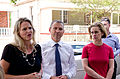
x: 8, y: 16
x: 43, y: 12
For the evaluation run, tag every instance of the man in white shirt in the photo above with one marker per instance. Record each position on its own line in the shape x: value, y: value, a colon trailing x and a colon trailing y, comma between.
x: 65, y: 51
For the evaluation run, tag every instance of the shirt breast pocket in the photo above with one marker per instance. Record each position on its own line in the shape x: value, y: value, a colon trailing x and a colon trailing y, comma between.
x: 48, y: 57
x: 65, y: 56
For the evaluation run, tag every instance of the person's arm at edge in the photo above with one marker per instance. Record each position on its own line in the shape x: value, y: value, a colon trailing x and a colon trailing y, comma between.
x: 117, y: 51
x: 111, y: 69
x: 90, y: 71
x: 117, y: 46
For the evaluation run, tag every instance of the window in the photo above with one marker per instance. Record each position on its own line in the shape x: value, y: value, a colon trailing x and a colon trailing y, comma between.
x: 60, y: 15
x: 65, y: 16
x: 31, y: 12
x: 119, y: 18
x: 5, y: 17
x: 69, y: 17
x: 77, y: 46
x: 116, y: 18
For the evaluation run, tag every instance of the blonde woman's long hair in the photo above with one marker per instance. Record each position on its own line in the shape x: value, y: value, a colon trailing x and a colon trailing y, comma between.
x: 18, y: 41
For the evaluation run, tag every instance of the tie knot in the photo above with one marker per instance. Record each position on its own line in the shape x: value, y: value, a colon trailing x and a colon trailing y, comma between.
x: 56, y: 45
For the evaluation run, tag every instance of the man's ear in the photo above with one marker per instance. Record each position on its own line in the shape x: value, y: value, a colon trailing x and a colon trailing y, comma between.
x: 49, y: 29
x: 109, y: 25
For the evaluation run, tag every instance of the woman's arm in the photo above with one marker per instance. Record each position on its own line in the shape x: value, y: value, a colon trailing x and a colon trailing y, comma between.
x: 5, y: 65
x: 90, y: 71
x: 111, y: 69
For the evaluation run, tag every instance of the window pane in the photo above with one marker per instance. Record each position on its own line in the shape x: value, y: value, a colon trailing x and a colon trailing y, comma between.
x: 4, y: 19
x: 65, y: 17
x: 115, y: 18
x: 56, y: 15
x: 77, y: 46
x: 119, y: 18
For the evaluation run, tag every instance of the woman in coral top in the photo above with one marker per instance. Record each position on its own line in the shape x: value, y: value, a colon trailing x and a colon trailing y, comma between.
x: 97, y: 57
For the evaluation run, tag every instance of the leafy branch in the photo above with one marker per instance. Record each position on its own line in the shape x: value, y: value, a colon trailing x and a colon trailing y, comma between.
x: 13, y: 1
x: 99, y: 8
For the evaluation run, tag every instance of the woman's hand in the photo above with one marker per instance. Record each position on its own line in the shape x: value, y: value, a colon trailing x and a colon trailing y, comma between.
x: 63, y: 77
x: 33, y: 76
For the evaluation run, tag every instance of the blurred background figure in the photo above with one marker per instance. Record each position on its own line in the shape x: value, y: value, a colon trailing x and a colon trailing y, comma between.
x: 97, y: 57
x: 22, y: 58
x: 111, y: 40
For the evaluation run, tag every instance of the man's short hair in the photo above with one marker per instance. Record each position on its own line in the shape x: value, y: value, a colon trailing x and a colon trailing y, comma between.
x: 105, y: 19
x: 56, y: 21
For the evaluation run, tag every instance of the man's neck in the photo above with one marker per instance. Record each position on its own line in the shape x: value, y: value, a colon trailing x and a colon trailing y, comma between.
x: 108, y: 32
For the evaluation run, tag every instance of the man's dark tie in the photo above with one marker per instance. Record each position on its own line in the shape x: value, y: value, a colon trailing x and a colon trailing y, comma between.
x: 58, y: 61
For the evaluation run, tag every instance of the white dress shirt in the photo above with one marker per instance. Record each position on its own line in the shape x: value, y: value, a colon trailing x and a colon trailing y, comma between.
x: 48, y: 59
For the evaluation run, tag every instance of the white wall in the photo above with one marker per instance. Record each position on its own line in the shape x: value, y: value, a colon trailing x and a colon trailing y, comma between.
x: 46, y: 19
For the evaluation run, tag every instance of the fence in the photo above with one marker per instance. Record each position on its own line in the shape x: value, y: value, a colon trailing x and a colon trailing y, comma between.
x: 6, y: 32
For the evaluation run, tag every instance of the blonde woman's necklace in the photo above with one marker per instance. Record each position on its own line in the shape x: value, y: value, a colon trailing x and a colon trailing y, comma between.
x: 30, y: 58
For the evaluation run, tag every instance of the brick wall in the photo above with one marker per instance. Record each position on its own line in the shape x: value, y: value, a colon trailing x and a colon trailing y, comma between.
x: 3, y: 19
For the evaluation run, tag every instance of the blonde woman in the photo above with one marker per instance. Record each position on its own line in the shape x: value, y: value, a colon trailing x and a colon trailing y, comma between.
x: 22, y: 58
x: 97, y: 57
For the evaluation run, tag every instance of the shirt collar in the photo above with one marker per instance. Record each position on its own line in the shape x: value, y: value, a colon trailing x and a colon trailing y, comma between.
x: 110, y: 35
x: 52, y: 43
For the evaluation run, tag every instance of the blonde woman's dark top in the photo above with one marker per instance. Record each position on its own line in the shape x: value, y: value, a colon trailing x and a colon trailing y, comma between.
x: 20, y: 63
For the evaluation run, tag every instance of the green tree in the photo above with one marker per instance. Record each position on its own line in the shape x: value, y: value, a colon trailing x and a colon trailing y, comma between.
x: 97, y: 8
x: 13, y: 1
